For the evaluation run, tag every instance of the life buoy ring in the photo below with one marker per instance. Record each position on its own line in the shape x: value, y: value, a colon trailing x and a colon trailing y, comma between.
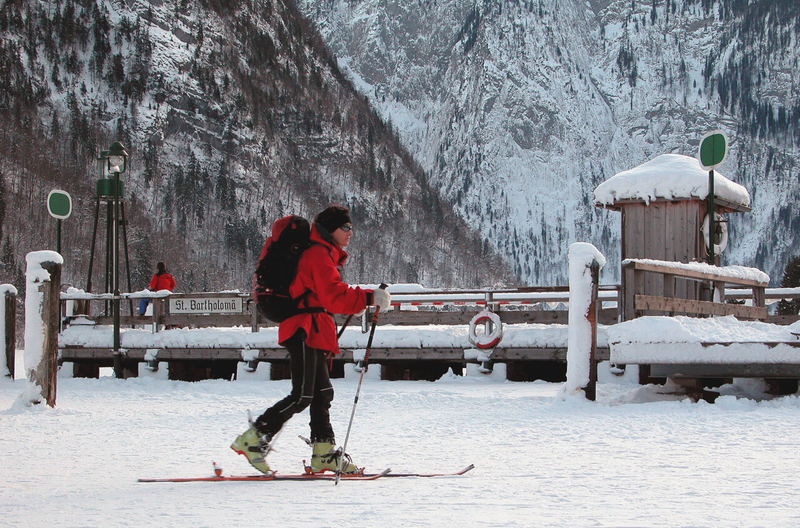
x: 490, y: 339
x: 721, y: 225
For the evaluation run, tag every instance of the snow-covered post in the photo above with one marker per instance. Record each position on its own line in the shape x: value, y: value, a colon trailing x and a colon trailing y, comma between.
x: 585, y: 263
x: 8, y: 316
x: 42, y: 295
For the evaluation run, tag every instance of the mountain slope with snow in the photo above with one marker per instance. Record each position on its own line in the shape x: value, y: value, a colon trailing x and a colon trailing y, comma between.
x: 518, y: 110
x: 234, y: 114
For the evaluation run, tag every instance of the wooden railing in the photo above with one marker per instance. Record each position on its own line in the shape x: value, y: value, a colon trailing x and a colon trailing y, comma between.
x: 636, y: 303
x: 429, y: 307
x: 432, y: 307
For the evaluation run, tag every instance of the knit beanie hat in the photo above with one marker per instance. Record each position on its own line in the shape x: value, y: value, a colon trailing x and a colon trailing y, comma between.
x: 333, y: 218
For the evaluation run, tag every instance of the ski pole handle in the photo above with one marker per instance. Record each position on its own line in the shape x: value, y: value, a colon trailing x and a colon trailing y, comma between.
x: 383, y: 286
x: 374, y: 321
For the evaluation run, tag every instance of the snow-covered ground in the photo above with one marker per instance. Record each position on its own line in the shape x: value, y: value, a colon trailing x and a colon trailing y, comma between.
x: 631, y: 459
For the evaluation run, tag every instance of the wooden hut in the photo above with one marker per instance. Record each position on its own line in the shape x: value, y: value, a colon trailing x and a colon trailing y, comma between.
x: 663, y: 205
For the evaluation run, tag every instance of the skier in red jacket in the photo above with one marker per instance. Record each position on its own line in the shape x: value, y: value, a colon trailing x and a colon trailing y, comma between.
x: 161, y: 281
x: 311, y: 340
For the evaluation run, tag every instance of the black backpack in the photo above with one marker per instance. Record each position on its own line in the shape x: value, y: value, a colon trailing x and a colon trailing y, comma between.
x: 278, y: 268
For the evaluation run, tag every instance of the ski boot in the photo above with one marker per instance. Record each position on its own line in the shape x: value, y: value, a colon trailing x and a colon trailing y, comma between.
x: 326, y: 457
x: 255, y: 447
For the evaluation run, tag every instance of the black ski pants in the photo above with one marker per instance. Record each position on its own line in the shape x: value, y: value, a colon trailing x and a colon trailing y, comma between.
x: 311, y: 387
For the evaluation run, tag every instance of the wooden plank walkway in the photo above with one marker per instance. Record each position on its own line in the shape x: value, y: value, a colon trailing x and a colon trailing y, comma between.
x: 378, y: 355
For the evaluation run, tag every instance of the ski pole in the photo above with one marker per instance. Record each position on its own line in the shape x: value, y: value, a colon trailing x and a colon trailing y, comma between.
x: 346, y: 322
x: 358, y: 390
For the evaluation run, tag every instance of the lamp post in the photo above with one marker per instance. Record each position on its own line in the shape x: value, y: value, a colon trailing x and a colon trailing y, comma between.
x: 116, y: 163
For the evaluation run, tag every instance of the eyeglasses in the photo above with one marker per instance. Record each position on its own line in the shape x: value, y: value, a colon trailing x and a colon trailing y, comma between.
x: 346, y: 227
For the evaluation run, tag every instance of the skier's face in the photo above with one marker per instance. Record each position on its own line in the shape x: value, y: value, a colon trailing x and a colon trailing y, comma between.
x: 342, y: 235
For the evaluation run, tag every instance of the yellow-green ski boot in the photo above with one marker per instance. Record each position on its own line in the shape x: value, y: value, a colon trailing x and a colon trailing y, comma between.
x: 255, y: 447
x: 325, y: 457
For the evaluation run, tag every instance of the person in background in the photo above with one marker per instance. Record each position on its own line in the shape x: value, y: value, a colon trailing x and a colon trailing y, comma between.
x: 311, y: 340
x: 161, y: 281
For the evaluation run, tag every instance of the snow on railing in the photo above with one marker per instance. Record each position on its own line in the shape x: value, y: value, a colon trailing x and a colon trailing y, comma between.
x: 585, y: 262
x: 402, y: 295
x: 742, y: 273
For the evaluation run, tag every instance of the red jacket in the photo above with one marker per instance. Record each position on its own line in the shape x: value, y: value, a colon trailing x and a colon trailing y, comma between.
x: 318, y: 273
x: 165, y: 281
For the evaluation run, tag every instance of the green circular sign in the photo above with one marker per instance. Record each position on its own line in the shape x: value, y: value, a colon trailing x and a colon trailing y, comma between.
x: 713, y: 148
x: 59, y: 204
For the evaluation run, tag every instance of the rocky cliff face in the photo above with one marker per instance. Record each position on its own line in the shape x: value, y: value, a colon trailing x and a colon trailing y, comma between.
x: 519, y: 109
x: 234, y: 114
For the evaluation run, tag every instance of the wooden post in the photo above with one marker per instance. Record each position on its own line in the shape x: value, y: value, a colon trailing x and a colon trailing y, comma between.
x: 628, y: 292
x: 633, y: 283
x: 591, y: 315
x: 253, y: 307
x: 718, y: 293
x: 584, y: 271
x: 45, y: 373
x: 9, y: 300
x: 157, y: 309
x: 669, y: 287
x: 759, y: 297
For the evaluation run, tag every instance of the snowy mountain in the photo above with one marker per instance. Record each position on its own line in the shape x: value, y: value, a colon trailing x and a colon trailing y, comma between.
x: 519, y: 109
x: 234, y: 113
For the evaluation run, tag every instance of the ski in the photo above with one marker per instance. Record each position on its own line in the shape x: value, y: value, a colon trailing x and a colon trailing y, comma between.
x: 426, y: 475
x: 421, y: 475
x: 308, y: 476
x: 274, y: 477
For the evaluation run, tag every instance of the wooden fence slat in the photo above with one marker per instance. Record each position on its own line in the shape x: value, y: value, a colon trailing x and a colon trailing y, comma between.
x: 759, y: 298
x: 392, y: 317
x: 669, y: 286
x: 687, y: 306
x: 718, y: 292
x: 628, y: 291
x: 659, y: 268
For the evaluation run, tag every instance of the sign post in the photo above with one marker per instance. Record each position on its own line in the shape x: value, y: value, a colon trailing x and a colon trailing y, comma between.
x: 59, y: 205
x: 711, y: 154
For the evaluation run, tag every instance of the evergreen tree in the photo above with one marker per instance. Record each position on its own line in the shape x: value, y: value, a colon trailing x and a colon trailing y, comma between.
x: 791, y: 279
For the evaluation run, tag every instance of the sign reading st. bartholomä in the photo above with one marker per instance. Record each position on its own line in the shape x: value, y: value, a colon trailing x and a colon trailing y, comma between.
x: 206, y: 305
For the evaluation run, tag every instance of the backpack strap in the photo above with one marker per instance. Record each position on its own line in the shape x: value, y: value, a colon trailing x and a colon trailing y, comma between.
x: 304, y: 296
x: 309, y: 309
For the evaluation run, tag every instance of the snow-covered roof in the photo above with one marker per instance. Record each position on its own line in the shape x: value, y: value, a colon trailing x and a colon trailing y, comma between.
x: 669, y: 177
